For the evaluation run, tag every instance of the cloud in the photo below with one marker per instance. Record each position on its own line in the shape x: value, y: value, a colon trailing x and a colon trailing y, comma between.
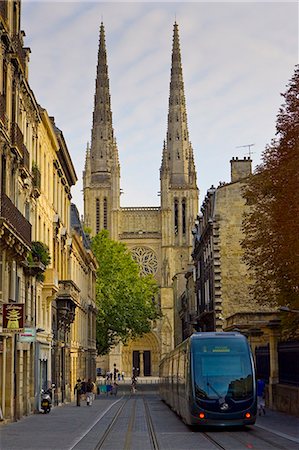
x: 237, y: 58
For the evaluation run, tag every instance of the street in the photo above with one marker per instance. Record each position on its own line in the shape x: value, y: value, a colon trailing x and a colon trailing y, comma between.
x: 140, y: 421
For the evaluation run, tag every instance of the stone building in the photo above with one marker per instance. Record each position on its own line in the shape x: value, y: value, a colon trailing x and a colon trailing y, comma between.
x: 36, y: 176
x: 222, y: 277
x: 19, y: 117
x: 160, y: 238
x: 82, y: 272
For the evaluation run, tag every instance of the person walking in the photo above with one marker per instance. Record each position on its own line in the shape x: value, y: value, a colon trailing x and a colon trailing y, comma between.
x: 114, y: 389
x: 78, y: 392
x: 133, y: 385
x: 261, y: 396
x: 89, y: 392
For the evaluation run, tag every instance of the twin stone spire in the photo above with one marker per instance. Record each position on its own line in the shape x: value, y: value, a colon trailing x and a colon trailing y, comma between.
x: 177, y: 157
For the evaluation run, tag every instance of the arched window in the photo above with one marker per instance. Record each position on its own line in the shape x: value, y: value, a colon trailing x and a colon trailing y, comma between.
x: 176, y: 216
x: 97, y: 216
x: 184, y: 216
x: 105, y: 213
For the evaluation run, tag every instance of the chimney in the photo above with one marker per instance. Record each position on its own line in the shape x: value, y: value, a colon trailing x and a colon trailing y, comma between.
x: 240, y: 168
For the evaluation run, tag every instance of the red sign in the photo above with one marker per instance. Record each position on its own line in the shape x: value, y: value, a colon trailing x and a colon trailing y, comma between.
x: 13, y: 317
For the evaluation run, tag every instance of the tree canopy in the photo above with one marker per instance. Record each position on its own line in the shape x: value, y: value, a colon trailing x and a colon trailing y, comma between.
x: 271, y: 226
x: 125, y: 300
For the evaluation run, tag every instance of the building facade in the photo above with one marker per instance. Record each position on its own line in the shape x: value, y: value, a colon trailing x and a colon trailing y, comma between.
x: 159, y: 238
x: 38, y: 247
x: 222, y: 277
x: 19, y: 117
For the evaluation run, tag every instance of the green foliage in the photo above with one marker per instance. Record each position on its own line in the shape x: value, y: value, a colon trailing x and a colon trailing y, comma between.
x: 125, y: 300
x: 271, y: 227
x: 39, y: 253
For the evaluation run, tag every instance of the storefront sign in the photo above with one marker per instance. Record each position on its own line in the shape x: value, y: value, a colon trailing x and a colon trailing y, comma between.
x: 13, y: 317
x: 28, y: 335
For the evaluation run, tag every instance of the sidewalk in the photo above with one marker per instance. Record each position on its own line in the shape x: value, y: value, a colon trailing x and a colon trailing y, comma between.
x: 280, y: 424
x: 57, y: 430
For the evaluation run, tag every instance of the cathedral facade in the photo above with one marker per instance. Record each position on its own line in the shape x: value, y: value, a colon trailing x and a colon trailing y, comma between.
x: 160, y: 238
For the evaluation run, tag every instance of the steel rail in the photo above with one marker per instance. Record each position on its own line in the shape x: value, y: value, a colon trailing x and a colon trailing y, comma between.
x: 111, y: 425
x: 150, y: 427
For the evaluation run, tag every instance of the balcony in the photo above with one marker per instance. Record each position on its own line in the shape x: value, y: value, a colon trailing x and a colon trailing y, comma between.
x: 15, y: 230
x: 17, y: 139
x: 68, y: 289
x: 3, y: 115
x: 19, y: 54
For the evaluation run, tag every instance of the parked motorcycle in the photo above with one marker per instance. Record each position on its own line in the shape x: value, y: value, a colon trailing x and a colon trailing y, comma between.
x: 46, y: 400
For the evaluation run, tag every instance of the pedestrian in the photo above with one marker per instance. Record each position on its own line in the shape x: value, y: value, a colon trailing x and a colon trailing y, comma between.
x: 118, y: 376
x: 83, y: 389
x: 133, y: 384
x: 108, y: 387
x: 77, y: 391
x: 89, y: 392
x: 261, y: 396
x: 114, y: 389
x: 123, y: 375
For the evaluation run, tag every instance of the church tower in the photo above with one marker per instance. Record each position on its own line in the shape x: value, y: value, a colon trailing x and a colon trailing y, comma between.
x: 159, y: 237
x: 179, y: 192
x: 101, y: 176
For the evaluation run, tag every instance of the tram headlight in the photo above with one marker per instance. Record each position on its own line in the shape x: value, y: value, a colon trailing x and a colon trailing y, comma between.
x: 201, y: 415
x: 248, y: 415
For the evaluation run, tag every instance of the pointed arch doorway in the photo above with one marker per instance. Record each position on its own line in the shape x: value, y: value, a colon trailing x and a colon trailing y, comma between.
x: 143, y: 355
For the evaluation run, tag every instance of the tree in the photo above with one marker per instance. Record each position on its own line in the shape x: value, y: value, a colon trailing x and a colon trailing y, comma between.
x: 125, y: 300
x: 271, y: 226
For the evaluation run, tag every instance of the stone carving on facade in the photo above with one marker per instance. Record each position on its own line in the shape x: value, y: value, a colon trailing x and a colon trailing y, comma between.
x: 146, y: 259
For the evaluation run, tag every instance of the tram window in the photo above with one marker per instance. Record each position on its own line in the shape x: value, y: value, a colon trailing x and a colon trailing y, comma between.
x: 222, y: 370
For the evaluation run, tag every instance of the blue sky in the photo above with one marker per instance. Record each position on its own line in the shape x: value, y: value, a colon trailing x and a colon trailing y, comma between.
x: 237, y: 58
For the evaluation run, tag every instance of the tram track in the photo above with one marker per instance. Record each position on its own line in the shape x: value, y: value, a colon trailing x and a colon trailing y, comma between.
x: 150, y: 427
x: 128, y: 437
x: 111, y: 425
x: 213, y: 441
x: 248, y: 439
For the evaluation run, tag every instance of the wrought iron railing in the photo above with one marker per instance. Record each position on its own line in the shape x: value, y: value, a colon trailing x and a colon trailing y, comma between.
x: 11, y: 213
x: 288, y: 362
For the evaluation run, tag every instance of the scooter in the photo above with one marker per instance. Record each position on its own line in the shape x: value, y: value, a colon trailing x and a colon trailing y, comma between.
x: 46, y: 400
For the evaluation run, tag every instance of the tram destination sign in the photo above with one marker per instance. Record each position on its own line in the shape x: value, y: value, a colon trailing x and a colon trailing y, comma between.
x: 13, y: 317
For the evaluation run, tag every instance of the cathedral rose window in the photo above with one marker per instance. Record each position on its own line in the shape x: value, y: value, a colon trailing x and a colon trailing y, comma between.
x: 146, y: 259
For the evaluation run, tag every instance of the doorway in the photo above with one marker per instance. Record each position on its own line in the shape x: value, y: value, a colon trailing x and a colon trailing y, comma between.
x: 146, y: 363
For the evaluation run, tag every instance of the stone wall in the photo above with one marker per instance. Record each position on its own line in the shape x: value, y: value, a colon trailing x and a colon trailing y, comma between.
x: 286, y: 399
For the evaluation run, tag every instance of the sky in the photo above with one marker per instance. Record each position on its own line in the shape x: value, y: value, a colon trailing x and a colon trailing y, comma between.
x: 237, y: 59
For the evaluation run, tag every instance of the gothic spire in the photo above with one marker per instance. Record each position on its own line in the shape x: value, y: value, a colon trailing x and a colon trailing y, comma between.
x: 177, y: 144
x: 103, y: 146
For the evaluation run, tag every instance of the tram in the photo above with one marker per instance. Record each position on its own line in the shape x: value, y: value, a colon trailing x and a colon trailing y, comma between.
x: 209, y: 380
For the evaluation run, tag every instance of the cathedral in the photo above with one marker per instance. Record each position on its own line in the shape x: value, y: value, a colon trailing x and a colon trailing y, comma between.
x: 160, y: 238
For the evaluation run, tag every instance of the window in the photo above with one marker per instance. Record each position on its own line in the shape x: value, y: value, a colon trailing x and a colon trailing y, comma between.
x: 184, y: 216
x: 176, y: 216
x: 105, y: 213
x: 97, y: 216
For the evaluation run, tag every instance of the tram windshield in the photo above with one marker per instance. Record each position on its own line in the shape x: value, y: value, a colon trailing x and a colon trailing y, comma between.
x: 222, y: 369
